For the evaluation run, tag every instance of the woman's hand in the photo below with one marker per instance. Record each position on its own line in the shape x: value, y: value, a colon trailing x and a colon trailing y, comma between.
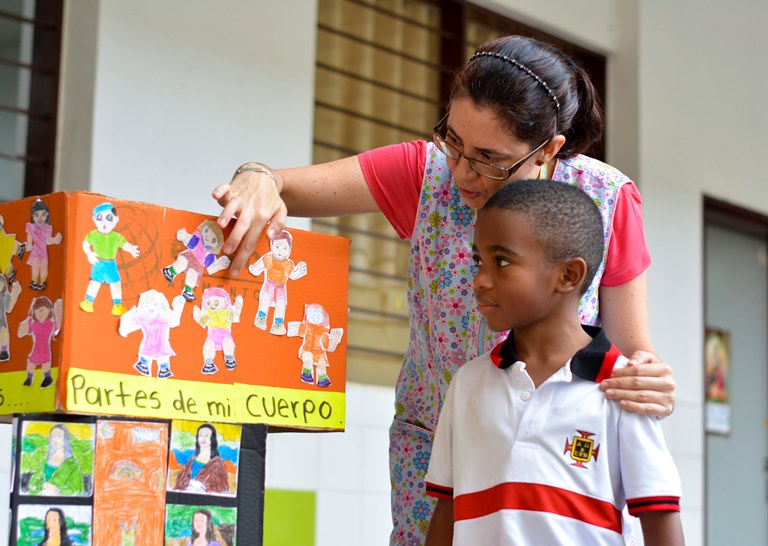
x: 253, y: 198
x: 644, y: 386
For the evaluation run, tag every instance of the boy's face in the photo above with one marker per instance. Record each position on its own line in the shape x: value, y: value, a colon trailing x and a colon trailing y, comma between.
x: 315, y: 315
x: 515, y: 283
x: 105, y: 221
x: 281, y: 249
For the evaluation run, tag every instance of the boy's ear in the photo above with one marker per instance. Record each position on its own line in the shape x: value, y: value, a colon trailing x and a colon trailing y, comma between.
x: 572, y: 275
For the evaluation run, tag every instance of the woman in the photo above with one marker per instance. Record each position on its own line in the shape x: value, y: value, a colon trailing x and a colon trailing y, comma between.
x: 519, y: 109
x: 55, y: 529
x: 205, y: 472
x: 202, y: 530
x: 60, y: 475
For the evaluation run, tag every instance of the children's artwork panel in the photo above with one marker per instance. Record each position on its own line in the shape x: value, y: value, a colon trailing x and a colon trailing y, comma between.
x: 53, y: 525
x: 186, y: 524
x: 129, y: 504
x: 57, y: 459
x: 129, y: 496
x: 33, y: 252
x: 204, y: 458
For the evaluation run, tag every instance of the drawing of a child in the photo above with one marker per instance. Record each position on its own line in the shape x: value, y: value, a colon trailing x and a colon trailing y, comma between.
x: 39, y: 236
x: 43, y: 323
x: 9, y: 247
x: 154, y: 318
x: 217, y: 315
x: 8, y: 299
x: 277, y: 269
x: 318, y: 339
x: 203, y: 248
x: 101, y: 246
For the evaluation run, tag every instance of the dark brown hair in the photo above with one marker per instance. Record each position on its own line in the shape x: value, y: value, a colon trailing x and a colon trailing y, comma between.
x: 523, y: 102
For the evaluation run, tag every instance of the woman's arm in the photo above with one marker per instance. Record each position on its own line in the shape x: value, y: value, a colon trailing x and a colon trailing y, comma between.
x: 255, y: 199
x: 648, y: 388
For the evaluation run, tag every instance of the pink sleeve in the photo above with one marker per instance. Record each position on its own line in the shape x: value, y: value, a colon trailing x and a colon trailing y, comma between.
x: 394, y: 175
x: 628, y: 254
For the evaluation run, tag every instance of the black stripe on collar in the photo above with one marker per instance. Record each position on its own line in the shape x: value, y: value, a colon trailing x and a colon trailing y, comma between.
x: 594, y: 362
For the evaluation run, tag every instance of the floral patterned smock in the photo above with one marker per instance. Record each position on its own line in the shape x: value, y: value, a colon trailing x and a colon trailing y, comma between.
x: 446, y: 328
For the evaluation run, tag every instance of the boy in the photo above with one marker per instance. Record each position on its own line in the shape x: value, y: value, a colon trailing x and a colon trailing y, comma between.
x: 528, y: 450
x: 101, y: 246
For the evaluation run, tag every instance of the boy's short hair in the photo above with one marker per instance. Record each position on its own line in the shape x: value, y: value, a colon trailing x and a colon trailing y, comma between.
x: 282, y: 235
x: 566, y: 222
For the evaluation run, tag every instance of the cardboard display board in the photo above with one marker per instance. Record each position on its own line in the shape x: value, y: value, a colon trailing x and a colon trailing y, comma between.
x: 111, y: 307
x: 92, y: 481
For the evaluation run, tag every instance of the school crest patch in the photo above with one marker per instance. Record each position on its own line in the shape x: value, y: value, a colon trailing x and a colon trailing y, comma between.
x: 581, y: 448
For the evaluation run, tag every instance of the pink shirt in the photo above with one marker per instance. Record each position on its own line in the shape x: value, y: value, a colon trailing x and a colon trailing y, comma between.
x: 395, y: 173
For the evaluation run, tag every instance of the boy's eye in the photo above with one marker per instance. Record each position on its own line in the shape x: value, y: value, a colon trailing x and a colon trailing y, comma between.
x: 110, y: 217
x: 476, y: 259
x: 501, y: 261
x: 98, y: 217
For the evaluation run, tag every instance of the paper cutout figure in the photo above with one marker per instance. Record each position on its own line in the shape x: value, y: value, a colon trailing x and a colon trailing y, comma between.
x: 217, y: 315
x: 53, y: 525
x: 9, y: 247
x: 318, y: 339
x: 203, y: 249
x: 155, y: 319
x: 277, y: 269
x: 56, y: 458
x: 8, y: 301
x: 39, y: 236
x: 204, y: 458
x: 194, y: 525
x: 43, y: 323
x: 101, y: 246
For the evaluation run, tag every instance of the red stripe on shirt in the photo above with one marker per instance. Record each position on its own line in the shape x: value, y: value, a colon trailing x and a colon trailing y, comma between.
x: 439, y: 491
x: 648, y: 504
x: 537, y: 498
x: 609, y: 361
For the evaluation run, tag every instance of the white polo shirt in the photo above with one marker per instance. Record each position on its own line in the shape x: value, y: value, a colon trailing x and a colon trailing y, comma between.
x: 553, y: 465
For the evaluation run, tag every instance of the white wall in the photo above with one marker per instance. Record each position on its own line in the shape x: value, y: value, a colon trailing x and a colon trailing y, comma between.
x: 184, y: 91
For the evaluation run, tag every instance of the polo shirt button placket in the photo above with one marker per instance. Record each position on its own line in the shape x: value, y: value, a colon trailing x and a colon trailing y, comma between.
x: 525, y: 396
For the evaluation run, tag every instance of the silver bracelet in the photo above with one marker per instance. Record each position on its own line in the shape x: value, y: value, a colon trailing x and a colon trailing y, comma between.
x: 258, y: 169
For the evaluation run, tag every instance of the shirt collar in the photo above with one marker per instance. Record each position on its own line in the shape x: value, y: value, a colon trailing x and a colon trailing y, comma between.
x: 594, y: 362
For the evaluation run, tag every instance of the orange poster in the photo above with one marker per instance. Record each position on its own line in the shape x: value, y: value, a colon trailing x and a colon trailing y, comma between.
x: 152, y: 324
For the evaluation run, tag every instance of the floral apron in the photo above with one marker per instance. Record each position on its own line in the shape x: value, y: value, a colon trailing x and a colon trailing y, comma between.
x: 446, y: 328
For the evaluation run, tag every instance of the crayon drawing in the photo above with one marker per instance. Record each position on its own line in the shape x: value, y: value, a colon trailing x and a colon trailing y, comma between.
x: 204, y: 458
x: 39, y: 236
x: 129, y: 495
x: 9, y: 248
x: 42, y: 325
x: 202, y: 249
x: 217, y: 316
x: 278, y: 269
x: 53, y: 525
x: 100, y: 247
x: 318, y: 339
x: 191, y: 525
x: 57, y: 459
x: 155, y: 318
x: 8, y: 299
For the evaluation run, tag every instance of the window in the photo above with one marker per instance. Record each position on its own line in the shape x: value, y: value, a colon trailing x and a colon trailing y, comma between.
x: 382, y: 75
x: 30, y: 42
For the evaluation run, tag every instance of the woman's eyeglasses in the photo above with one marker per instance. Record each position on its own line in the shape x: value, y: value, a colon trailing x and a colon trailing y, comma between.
x: 482, y: 168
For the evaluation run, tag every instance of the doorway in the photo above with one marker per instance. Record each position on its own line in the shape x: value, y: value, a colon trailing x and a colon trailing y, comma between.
x: 736, y: 311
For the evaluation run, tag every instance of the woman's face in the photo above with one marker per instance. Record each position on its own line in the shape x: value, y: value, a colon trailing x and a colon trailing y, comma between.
x: 57, y: 438
x: 199, y: 523
x: 477, y: 132
x: 52, y: 521
x: 204, y: 437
